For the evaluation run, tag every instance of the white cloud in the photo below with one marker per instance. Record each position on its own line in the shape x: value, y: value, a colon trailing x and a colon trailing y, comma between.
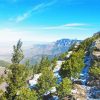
x: 67, y: 26
x: 39, y: 33
x: 28, y: 13
x: 21, y: 18
x: 34, y: 9
x: 12, y: 35
x: 38, y: 7
x: 75, y: 24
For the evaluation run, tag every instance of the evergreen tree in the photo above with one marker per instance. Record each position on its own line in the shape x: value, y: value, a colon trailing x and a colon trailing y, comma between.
x: 62, y: 56
x: 94, y: 70
x: 17, y: 77
x: 53, y: 62
x: 35, y: 69
x: 73, y: 66
x: 17, y: 54
x: 64, y: 88
x: 46, y: 81
x: 43, y: 63
x: 27, y: 63
x: 26, y: 94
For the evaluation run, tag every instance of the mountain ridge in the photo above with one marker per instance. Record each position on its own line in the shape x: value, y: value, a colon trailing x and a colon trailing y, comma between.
x: 51, y: 49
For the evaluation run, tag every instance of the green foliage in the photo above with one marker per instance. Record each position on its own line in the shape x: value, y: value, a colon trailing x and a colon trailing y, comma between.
x: 18, y: 53
x: 85, y: 45
x: 62, y: 56
x: 64, y: 88
x: 46, y: 81
x: 95, y: 71
x: 35, y: 69
x: 16, y: 80
x: 26, y: 94
x: 65, y: 70
x: 53, y: 62
x: 27, y: 63
x: 2, y: 95
x: 1, y: 79
x: 18, y: 74
x: 73, y: 66
x: 72, y: 47
x: 29, y: 67
x: 17, y: 87
x: 95, y: 68
x: 22, y: 94
x: 43, y: 63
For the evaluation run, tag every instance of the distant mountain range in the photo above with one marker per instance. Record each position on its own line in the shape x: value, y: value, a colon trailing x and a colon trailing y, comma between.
x: 34, y: 52
x: 51, y: 50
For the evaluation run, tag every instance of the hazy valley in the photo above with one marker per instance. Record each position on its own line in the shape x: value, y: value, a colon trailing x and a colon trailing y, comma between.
x: 34, y: 52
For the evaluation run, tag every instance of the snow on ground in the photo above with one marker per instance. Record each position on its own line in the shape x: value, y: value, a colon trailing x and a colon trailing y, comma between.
x: 34, y: 81
x: 88, y: 90
x: 56, y: 74
x: 69, y: 54
x: 52, y: 90
x: 84, y: 77
x: 58, y: 66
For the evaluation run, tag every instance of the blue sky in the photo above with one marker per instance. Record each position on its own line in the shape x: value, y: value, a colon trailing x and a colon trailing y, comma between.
x: 48, y: 20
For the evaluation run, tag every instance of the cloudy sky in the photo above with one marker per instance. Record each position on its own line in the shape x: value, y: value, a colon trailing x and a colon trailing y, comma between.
x: 48, y: 20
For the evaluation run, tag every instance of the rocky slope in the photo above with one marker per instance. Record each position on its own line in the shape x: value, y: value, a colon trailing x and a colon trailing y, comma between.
x: 96, y: 51
x: 79, y: 93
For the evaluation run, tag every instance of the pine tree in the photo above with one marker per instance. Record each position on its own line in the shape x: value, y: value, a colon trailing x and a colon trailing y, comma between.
x: 73, y: 66
x: 17, y: 77
x: 43, y: 63
x: 27, y: 94
x: 64, y: 88
x: 53, y: 62
x: 46, y: 81
x: 18, y: 53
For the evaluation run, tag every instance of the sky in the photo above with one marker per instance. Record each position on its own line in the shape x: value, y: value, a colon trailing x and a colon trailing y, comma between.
x: 48, y: 20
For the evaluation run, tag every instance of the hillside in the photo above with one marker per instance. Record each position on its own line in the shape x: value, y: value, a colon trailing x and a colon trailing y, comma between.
x: 74, y: 77
x: 83, y: 67
x: 4, y: 63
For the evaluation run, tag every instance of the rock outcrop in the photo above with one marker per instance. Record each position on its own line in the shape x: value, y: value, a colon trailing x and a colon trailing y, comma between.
x: 79, y: 92
x: 96, y: 51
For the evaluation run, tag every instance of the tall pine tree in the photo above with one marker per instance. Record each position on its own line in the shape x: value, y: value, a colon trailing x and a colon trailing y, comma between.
x: 17, y: 87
